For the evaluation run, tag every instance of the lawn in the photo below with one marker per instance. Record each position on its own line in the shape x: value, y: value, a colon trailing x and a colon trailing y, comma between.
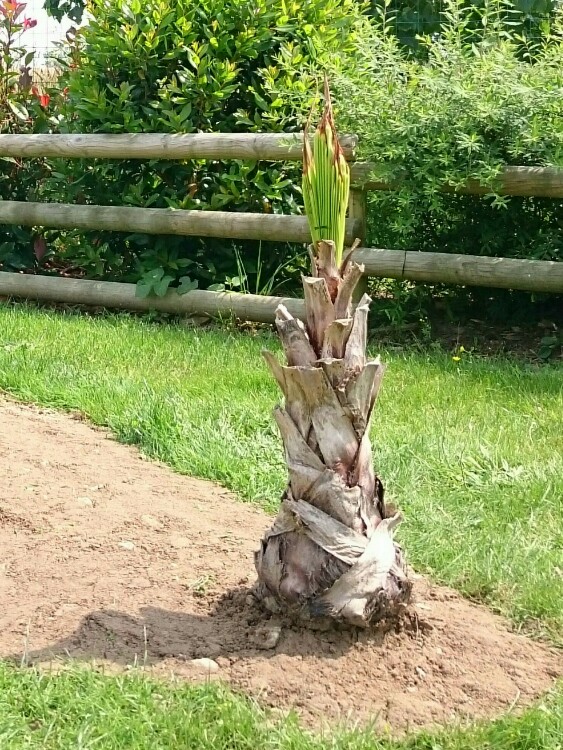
x: 81, y: 709
x: 472, y: 450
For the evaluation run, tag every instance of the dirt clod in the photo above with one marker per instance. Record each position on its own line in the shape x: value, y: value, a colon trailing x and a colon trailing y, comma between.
x: 268, y: 636
x: 68, y: 588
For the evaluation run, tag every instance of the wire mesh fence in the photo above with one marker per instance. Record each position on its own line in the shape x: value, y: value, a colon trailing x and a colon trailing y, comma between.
x: 412, y: 18
x: 43, y: 38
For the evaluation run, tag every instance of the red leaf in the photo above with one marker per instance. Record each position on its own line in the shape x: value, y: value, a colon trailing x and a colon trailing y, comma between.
x: 11, y: 9
x: 39, y: 247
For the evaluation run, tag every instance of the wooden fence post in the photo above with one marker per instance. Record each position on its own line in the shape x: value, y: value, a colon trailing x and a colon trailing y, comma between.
x: 357, y: 209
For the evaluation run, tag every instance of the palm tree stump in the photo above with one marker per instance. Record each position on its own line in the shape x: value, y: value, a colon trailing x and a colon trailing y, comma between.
x: 330, y: 553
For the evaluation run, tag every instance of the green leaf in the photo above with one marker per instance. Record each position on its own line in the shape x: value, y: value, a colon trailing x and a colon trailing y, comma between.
x: 185, y: 112
x: 161, y: 287
x: 154, y: 275
x: 143, y: 289
x: 18, y: 109
x: 187, y: 284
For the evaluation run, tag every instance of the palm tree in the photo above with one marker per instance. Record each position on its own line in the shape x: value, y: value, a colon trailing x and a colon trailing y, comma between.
x: 330, y: 552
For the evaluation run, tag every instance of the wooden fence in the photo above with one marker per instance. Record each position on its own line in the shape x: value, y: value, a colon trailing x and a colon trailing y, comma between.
x: 529, y: 275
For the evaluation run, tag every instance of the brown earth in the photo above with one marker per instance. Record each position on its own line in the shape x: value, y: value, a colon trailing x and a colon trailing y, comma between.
x: 107, y: 557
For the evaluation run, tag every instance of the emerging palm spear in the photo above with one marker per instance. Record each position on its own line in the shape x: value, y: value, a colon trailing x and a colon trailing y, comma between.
x: 330, y: 551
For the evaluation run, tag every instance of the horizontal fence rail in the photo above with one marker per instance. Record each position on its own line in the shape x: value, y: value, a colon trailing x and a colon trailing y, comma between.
x: 238, y: 226
x: 528, y: 275
x: 470, y: 270
x: 531, y: 275
x: 222, y: 146
x: 541, y: 182
x: 517, y: 181
x: 112, y: 294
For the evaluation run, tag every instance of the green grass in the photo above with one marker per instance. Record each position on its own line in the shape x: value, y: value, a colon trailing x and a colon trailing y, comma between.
x: 81, y: 709
x: 472, y: 450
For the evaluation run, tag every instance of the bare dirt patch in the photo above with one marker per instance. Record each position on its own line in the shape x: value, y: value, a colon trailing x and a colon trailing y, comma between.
x: 107, y: 557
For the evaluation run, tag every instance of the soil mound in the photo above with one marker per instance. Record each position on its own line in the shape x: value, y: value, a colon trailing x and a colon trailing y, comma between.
x: 108, y: 557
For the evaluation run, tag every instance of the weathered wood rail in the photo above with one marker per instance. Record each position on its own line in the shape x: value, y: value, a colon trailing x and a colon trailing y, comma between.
x: 529, y: 275
x: 176, y: 146
x: 518, y: 181
x: 467, y: 270
x: 539, y: 182
x: 113, y: 294
x: 243, y: 226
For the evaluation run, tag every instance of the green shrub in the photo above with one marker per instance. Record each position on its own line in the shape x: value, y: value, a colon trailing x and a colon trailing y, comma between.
x: 195, y: 66
x: 529, y: 20
x: 465, y: 113
x: 411, y: 19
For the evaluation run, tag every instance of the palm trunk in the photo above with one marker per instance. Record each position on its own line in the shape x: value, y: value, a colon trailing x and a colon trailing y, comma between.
x: 330, y: 552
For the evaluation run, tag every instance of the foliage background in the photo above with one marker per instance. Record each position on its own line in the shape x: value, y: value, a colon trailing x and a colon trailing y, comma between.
x: 210, y: 66
x: 472, y: 106
x: 473, y: 103
x: 412, y: 19
x: 24, y: 108
x: 481, y: 90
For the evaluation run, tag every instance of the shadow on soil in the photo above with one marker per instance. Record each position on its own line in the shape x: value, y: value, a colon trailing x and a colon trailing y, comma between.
x: 235, y: 627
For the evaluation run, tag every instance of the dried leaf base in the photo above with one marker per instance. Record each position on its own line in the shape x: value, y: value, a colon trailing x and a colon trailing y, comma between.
x: 330, y: 552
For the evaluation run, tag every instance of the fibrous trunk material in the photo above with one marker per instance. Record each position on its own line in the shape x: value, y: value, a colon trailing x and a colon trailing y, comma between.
x: 330, y: 552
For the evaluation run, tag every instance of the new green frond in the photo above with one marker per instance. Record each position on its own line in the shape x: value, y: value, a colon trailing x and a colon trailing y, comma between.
x: 326, y: 181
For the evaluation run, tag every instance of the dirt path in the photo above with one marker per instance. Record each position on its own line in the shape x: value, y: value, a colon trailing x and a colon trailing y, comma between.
x: 106, y: 556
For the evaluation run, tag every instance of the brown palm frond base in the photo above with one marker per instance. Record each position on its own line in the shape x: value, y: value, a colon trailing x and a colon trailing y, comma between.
x: 330, y: 552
